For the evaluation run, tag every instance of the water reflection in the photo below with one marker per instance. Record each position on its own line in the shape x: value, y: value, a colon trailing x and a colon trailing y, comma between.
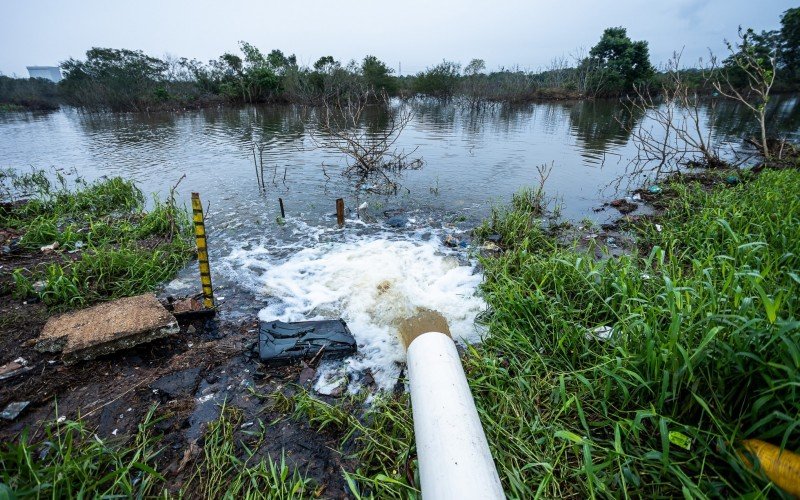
x: 601, y: 125
x: 473, y: 157
x: 735, y: 120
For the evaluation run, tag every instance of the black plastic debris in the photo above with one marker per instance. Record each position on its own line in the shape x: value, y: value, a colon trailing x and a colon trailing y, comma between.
x: 283, y: 343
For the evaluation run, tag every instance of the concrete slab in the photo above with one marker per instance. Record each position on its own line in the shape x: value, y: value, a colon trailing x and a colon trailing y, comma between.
x: 106, y: 328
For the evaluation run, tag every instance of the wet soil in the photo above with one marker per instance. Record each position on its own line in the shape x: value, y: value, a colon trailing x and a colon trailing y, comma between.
x: 189, y: 376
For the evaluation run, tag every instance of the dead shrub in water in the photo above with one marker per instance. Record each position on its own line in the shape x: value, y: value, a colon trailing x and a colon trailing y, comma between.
x: 677, y: 129
x: 370, y: 151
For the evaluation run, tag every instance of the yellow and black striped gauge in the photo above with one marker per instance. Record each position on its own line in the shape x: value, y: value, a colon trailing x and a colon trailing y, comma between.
x: 202, y: 251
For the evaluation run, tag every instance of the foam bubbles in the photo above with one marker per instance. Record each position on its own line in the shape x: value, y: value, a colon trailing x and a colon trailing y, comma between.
x: 372, y: 283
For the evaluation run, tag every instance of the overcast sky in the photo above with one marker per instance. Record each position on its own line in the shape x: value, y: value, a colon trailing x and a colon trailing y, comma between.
x: 413, y: 33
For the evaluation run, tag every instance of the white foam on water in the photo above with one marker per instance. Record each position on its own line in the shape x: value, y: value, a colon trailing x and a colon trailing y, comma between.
x: 371, y: 282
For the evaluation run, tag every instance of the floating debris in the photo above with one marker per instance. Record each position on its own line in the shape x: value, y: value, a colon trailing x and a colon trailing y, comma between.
x: 52, y: 247
x: 624, y: 206
x: 490, y: 247
x: 450, y: 241
x: 732, y: 180
x: 600, y: 333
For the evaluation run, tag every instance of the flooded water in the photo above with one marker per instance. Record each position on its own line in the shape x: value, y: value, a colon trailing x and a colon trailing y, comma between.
x: 370, y: 273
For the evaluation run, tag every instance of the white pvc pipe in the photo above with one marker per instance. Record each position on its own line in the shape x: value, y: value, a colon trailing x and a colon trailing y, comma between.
x: 453, y: 455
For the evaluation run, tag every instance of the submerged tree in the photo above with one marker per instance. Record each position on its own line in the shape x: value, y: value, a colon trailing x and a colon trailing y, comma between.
x: 369, y: 148
x: 439, y: 81
x: 378, y: 75
x: 680, y: 125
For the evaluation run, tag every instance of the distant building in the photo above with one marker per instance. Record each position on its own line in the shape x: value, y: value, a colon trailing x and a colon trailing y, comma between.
x: 52, y: 73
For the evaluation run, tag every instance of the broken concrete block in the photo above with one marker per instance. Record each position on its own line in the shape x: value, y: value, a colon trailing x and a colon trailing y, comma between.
x: 190, y: 307
x: 187, y: 305
x: 106, y: 328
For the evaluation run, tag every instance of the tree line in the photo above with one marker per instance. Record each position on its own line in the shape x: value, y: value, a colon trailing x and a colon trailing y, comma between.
x: 130, y: 80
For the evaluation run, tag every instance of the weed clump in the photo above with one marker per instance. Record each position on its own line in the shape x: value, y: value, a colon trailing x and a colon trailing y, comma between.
x: 380, y: 439
x: 110, y: 245
x: 72, y: 462
x: 702, y: 350
x: 223, y: 474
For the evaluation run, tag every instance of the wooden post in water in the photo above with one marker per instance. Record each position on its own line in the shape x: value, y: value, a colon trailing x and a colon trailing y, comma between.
x: 202, y: 251
x: 340, y: 212
x: 283, y: 214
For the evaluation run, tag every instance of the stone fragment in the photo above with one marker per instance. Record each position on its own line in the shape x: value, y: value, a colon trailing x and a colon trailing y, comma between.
x: 106, y: 328
x: 187, y: 305
x: 450, y: 241
x: 397, y: 221
x: 180, y: 383
x: 306, y: 376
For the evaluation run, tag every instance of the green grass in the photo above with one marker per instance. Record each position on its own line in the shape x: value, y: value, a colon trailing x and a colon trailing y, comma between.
x: 70, y: 461
x: 222, y: 474
x: 705, y: 343
x: 124, y: 248
x: 378, y: 435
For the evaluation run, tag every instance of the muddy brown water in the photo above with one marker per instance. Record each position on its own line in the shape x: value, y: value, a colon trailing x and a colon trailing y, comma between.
x: 473, y: 159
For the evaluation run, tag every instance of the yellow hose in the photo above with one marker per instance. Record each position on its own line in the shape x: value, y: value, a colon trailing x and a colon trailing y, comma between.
x: 781, y: 467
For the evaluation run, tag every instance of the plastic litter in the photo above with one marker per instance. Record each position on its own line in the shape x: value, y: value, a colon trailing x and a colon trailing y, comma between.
x: 52, y: 247
x: 13, y: 410
x: 284, y: 343
x: 732, y: 180
x: 654, y: 189
x: 14, y: 368
x: 600, y: 333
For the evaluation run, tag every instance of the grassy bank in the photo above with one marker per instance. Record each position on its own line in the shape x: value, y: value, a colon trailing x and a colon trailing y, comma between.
x: 107, y: 244
x: 701, y: 351
x: 704, y: 342
x: 72, y: 462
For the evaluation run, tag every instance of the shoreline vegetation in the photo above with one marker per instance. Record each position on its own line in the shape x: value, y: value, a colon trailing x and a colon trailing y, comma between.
x: 635, y: 375
x: 110, y: 79
x: 638, y: 375
x: 109, y: 246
